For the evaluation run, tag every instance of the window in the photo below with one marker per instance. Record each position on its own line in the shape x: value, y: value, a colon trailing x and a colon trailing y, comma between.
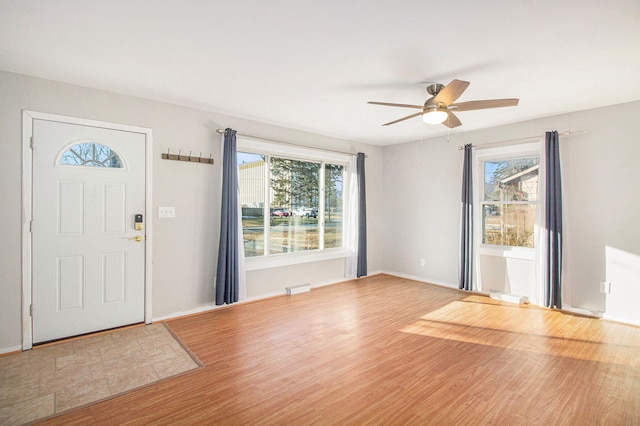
x: 294, y: 188
x: 91, y: 154
x: 509, y: 203
x: 334, y: 180
x: 252, y: 196
x: 289, y: 204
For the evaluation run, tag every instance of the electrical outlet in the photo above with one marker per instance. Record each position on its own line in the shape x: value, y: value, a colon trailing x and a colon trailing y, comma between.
x: 422, y: 262
x: 164, y: 212
x: 605, y: 287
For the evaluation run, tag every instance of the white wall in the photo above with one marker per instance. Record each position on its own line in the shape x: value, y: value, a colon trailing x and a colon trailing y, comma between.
x: 600, y: 177
x: 413, y: 200
x: 184, y: 248
x: 421, y: 215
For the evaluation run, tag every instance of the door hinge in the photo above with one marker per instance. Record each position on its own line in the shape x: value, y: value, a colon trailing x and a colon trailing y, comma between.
x: 31, y: 226
x: 31, y: 310
x: 31, y: 142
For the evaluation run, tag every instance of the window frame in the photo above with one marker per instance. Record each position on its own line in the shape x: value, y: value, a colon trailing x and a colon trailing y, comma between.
x: 59, y: 158
x: 496, y: 154
x: 296, y: 152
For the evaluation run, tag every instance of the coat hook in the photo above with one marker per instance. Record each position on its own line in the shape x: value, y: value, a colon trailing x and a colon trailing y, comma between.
x: 191, y: 158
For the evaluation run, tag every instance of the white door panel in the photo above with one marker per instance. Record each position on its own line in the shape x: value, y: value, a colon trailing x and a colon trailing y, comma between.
x: 88, y: 271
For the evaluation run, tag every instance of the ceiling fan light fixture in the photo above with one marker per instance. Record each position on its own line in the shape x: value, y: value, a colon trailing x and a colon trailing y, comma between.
x: 435, y: 116
x: 440, y: 108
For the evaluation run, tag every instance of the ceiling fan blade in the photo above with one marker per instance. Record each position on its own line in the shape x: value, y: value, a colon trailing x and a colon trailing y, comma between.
x: 417, y: 114
x: 451, y: 92
x: 451, y: 121
x: 490, y: 103
x: 396, y: 105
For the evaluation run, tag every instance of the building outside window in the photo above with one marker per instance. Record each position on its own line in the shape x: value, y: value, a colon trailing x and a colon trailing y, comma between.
x: 290, y: 204
x: 510, y: 199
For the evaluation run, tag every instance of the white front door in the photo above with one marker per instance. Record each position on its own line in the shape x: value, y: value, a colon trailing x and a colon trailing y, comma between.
x: 88, y: 258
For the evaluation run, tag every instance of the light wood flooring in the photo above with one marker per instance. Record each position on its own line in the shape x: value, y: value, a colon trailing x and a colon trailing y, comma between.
x: 385, y: 350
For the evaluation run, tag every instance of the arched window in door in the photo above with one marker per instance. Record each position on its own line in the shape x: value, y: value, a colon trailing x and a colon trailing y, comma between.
x: 91, y: 154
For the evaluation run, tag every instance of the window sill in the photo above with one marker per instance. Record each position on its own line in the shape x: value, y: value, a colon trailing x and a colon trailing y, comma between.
x: 524, y: 253
x: 277, y: 260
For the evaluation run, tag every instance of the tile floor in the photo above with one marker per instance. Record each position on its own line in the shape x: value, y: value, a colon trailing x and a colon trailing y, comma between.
x: 52, y: 379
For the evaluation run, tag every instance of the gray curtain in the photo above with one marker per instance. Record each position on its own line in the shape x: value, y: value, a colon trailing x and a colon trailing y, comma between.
x: 227, y: 276
x: 465, y: 269
x: 361, y: 270
x: 553, y: 222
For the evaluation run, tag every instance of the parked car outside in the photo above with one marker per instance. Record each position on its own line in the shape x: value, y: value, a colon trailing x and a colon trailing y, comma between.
x: 305, y: 212
x: 280, y: 213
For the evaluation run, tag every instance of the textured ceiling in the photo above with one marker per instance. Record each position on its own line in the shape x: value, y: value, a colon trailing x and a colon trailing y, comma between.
x: 312, y: 65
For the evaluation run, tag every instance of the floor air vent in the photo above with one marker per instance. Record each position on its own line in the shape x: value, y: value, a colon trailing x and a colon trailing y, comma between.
x: 302, y: 288
x: 522, y: 300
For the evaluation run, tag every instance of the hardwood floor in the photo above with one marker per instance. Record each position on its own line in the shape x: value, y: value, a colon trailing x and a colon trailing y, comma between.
x: 385, y: 350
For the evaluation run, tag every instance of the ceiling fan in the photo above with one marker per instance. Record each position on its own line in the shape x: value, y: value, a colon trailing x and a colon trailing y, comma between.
x: 439, y: 107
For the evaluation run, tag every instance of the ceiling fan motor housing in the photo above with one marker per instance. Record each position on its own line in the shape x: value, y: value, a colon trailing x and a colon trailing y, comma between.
x: 434, y: 89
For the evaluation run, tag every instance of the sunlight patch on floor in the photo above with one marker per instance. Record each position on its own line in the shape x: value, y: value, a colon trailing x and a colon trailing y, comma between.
x: 483, y: 321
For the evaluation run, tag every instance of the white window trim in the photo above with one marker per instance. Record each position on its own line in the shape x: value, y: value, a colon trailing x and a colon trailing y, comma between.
x: 487, y: 154
x: 295, y: 258
x: 533, y: 254
x: 247, y: 144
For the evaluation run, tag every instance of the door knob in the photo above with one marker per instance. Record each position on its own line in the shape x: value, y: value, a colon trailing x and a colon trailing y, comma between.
x: 137, y: 238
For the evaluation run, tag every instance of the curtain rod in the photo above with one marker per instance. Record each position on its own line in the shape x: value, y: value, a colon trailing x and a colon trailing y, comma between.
x: 221, y: 131
x: 530, y: 138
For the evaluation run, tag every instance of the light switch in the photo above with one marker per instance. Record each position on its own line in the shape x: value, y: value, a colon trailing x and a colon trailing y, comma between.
x: 164, y: 212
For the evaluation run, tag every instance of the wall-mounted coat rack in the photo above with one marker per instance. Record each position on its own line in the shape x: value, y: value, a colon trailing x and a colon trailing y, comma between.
x: 190, y: 158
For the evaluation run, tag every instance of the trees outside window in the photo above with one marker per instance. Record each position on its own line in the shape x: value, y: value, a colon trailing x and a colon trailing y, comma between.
x: 510, y: 199
x: 334, y: 180
x: 91, y: 154
x: 282, y: 207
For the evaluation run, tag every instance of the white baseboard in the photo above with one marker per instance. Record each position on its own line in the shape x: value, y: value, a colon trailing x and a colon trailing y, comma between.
x: 198, y: 310
x: 582, y: 311
x: 421, y: 279
x: 326, y: 283
x: 208, y: 308
x: 615, y: 318
x: 10, y: 349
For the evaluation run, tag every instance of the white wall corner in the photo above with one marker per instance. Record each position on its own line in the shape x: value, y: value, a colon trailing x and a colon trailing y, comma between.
x: 421, y: 279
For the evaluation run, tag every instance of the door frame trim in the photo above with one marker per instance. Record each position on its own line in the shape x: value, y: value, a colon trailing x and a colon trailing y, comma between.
x: 27, y: 215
